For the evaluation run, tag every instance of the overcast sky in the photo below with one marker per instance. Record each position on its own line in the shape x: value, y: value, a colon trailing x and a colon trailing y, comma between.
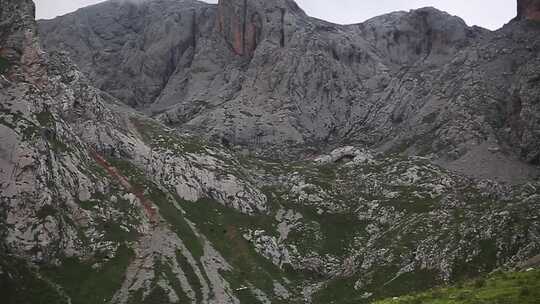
x: 490, y: 14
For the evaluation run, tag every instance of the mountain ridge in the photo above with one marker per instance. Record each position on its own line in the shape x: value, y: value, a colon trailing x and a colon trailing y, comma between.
x: 302, y: 82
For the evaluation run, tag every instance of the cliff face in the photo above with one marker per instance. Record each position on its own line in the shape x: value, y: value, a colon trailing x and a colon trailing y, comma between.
x: 240, y: 25
x: 528, y: 9
x: 147, y: 42
x: 244, y: 24
x: 262, y: 74
x: 20, y: 47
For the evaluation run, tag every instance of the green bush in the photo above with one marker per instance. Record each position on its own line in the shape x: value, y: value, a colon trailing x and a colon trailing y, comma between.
x: 479, y: 283
x: 462, y: 296
x: 4, y: 65
x: 524, y: 292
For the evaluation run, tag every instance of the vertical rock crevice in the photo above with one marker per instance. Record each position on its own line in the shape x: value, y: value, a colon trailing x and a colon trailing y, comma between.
x: 195, y: 29
x: 282, y: 29
x: 244, y: 26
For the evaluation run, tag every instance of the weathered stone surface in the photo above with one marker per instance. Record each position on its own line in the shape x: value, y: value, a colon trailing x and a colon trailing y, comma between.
x: 19, y: 43
x: 146, y: 42
x: 346, y: 154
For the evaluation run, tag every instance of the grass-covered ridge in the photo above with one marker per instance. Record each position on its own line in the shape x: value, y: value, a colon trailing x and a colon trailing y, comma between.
x: 497, y: 288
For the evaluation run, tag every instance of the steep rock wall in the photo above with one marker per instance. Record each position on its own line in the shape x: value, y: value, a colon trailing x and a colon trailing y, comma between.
x: 528, y: 9
x: 19, y: 46
x: 240, y: 25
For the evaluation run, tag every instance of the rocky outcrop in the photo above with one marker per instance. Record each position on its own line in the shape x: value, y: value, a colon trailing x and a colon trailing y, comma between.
x: 425, y: 35
x: 20, y: 48
x: 146, y: 46
x: 528, y: 10
x: 346, y: 154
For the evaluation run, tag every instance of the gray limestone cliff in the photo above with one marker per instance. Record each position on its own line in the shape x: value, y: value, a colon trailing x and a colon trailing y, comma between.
x: 263, y: 74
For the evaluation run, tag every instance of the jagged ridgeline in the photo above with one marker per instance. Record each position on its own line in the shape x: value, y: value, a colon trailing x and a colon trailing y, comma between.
x: 247, y: 153
x: 265, y: 76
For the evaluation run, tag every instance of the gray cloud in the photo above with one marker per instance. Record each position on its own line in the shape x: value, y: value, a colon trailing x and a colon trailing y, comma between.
x: 490, y: 14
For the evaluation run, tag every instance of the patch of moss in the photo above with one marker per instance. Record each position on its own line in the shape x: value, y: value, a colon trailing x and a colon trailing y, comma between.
x: 167, y: 208
x: 336, y: 230
x: 114, y: 232
x: 158, y: 295
x: 499, y: 288
x: 87, y: 285
x: 4, y: 65
x: 87, y: 205
x: 57, y: 145
x: 45, y: 118
x: 385, y: 284
x: 29, y: 132
x: 178, y: 222
x: 412, y: 201
x: 17, y: 121
x: 46, y: 211
x: 485, y: 261
x: 20, y: 284
x: 159, y: 138
x: 191, y: 276
x: 224, y: 228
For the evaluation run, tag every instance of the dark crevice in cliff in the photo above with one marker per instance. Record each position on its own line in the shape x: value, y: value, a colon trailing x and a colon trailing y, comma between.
x: 282, y: 29
x: 244, y: 27
x: 194, y: 29
x: 428, y: 34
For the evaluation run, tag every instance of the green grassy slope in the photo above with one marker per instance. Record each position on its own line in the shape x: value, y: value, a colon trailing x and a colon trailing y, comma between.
x: 498, y: 288
x: 21, y: 284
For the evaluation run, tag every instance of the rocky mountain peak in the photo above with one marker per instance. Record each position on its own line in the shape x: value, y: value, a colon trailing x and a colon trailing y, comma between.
x: 257, y: 74
x: 528, y: 10
x: 425, y: 34
x: 20, y: 52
